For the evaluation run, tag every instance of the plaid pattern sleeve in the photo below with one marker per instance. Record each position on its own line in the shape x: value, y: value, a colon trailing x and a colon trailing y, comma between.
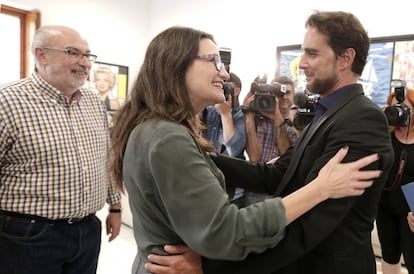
x: 53, y: 153
x: 267, y: 136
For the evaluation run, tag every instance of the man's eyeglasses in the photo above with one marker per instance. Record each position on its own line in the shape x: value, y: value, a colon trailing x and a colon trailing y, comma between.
x: 75, y: 54
x: 215, y: 58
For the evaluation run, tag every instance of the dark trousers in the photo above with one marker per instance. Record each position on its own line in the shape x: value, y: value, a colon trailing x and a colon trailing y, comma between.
x: 29, y: 246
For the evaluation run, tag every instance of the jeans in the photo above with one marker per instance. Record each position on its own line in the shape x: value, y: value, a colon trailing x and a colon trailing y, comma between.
x: 39, y: 247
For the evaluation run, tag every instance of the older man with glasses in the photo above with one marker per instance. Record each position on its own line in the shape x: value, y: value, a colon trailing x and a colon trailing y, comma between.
x: 54, y: 143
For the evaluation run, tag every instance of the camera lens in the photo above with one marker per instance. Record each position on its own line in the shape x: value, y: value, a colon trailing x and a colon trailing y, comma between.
x: 394, y: 114
x: 264, y: 102
x: 302, y: 119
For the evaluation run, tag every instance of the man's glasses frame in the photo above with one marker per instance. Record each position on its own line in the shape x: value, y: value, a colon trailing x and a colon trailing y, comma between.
x: 75, y: 53
x: 215, y: 58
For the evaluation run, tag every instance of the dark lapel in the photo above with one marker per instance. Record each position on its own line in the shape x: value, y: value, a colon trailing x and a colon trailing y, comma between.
x: 310, y: 131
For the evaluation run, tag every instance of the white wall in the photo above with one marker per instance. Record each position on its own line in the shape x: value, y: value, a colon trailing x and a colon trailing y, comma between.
x: 253, y: 29
x: 119, y: 31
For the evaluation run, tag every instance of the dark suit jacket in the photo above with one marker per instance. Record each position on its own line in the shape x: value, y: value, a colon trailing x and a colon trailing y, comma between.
x: 335, y: 236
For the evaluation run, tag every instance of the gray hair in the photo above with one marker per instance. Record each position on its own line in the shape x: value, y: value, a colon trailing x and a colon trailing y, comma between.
x: 43, y: 36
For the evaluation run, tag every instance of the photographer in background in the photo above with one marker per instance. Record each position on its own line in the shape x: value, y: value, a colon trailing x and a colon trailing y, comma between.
x: 226, y: 122
x: 393, y: 230
x: 226, y: 128
x: 268, y: 123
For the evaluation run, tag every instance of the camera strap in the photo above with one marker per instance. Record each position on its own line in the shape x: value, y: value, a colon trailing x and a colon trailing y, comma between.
x: 401, y: 167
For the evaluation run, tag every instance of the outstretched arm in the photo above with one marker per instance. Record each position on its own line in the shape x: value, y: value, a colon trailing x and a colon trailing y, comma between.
x: 335, y: 180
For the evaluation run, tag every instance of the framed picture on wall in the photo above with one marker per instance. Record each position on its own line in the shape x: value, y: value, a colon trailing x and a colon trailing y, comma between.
x: 403, y: 65
x: 110, y: 82
x: 390, y: 57
x: 288, y: 65
x: 376, y: 76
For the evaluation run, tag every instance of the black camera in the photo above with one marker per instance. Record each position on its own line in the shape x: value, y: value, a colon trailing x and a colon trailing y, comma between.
x: 305, y: 103
x: 398, y: 114
x: 228, y: 90
x: 225, y: 56
x: 264, y: 95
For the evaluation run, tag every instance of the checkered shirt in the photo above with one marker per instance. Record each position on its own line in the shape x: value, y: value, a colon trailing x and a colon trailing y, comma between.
x: 53, y: 153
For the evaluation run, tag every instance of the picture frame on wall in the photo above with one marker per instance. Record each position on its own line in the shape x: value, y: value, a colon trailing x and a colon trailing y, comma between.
x: 376, y: 76
x: 403, y: 61
x: 390, y: 57
x: 288, y: 58
x: 110, y: 82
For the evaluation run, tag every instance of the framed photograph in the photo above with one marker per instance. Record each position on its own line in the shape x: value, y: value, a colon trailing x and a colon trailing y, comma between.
x: 288, y: 65
x: 390, y: 57
x: 403, y: 65
x: 110, y: 82
x: 376, y: 76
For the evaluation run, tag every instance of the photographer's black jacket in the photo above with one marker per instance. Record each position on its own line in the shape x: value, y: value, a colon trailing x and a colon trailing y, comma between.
x: 335, y: 236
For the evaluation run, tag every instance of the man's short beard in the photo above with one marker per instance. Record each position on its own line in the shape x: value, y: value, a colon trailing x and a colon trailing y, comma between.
x: 322, y: 86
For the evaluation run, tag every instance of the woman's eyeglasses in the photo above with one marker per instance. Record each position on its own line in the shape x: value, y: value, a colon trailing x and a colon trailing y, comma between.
x: 215, y: 58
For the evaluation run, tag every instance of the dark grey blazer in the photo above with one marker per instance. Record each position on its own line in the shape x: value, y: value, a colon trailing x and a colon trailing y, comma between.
x: 335, y: 236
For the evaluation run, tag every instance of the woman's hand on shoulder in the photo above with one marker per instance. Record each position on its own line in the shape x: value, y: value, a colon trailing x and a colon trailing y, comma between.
x: 340, y: 180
